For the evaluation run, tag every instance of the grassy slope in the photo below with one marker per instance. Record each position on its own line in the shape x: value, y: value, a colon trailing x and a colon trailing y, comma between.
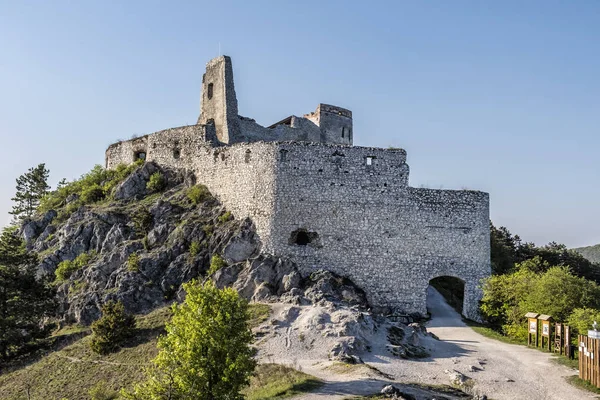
x: 71, y: 371
x: 592, y: 253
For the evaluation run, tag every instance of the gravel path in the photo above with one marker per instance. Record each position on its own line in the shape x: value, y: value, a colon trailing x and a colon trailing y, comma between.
x: 505, y: 371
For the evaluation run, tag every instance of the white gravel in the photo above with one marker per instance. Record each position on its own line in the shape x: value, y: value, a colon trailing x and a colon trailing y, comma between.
x: 498, y: 370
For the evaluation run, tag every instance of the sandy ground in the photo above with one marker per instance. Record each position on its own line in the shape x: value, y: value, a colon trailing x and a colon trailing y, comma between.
x: 505, y: 371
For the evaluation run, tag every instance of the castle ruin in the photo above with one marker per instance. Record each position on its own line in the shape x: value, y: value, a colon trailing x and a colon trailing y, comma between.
x: 324, y: 203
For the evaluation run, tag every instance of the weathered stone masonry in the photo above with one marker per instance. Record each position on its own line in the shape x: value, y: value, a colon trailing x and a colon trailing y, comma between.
x: 325, y: 203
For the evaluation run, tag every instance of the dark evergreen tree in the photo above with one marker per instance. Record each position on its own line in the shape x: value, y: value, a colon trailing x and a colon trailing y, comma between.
x: 31, y: 187
x: 24, y: 300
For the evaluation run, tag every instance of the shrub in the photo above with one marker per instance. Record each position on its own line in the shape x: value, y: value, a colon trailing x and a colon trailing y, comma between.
x: 582, y: 319
x: 207, y: 229
x: 101, y: 391
x: 92, y: 194
x: 142, y: 221
x: 133, y: 263
x: 98, y: 177
x: 556, y: 292
x: 225, y: 217
x: 113, y: 327
x: 216, y: 263
x: 66, y: 268
x: 195, y: 248
x: 157, y: 182
x: 198, y: 194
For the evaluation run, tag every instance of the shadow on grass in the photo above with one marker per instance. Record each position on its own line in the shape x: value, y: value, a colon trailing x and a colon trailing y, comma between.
x: 40, y: 349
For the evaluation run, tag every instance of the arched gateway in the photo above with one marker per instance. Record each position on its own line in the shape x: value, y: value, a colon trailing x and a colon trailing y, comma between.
x: 348, y: 209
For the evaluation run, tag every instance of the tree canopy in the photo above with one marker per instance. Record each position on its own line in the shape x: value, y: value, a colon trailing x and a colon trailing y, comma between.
x: 31, y: 187
x: 24, y: 300
x: 205, y: 354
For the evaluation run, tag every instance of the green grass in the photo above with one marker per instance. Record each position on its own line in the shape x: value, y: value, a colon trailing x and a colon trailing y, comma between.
x: 492, y: 334
x: 580, y: 383
x: 275, y: 381
x: 259, y: 313
x: 567, y: 362
x: 71, y: 371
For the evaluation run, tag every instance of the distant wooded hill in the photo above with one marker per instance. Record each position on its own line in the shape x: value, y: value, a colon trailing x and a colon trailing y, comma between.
x: 592, y: 253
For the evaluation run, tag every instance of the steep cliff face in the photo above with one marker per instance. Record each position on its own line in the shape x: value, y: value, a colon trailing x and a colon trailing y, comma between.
x: 139, y: 246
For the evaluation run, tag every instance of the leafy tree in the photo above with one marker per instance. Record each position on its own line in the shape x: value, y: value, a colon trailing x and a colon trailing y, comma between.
x: 31, y: 187
x: 112, y: 329
x: 535, y: 287
x: 24, y: 300
x: 205, y: 354
x: 507, y: 250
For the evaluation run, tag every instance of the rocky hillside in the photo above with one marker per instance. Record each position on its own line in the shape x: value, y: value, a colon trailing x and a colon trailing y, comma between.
x: 138, y: 245
x: 592, y: 253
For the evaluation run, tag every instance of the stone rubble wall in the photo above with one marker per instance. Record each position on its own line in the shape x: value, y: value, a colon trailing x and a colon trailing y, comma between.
x: 355, y: 204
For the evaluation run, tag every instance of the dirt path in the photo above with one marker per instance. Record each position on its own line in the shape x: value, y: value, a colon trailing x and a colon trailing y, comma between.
x: 505, y: 371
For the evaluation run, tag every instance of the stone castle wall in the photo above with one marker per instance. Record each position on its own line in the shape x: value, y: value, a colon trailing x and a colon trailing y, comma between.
x: 366, y: 223
x: 353, y: 203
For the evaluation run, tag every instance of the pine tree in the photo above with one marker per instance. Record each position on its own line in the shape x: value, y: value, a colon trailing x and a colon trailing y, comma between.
x: 31, y: 187
x: 24, y: 300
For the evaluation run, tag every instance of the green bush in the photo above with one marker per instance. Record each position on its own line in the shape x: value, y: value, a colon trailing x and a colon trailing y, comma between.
x: 225, y: 217
x: 87, y: 187
x: 113, y: 327
x: 92, y: 194
x: 198, y: 194
x: 133, y: 263
x: 582, y: 319
x: 157, y: 182
x: 216, y: 263
x: 66, y: 268
x: 556, y: 292
x: 142, y: 221
x: 195, y: 248
x: 101, y: 391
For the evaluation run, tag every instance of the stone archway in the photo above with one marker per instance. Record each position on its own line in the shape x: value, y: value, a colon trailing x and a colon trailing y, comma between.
x: 471, y: 292
x: 453, y: 290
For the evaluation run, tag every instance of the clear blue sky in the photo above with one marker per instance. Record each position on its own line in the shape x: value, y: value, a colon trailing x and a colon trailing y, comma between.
x: 499, y: 96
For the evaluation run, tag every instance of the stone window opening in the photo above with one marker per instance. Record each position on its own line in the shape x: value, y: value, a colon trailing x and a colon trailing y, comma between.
x: 302, y: 237
x: 283, y: 155
x: 369, y: 160
x: 247, y: 156
x: 343, y: 131
x: 176, y: 154
x: 209, y: 92
x: 139, y: 155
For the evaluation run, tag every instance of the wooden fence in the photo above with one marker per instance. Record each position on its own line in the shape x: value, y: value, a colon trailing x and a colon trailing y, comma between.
x: 589, y: 360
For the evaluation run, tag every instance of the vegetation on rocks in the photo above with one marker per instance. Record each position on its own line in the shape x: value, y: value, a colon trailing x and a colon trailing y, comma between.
x: 91, y: 187
x: 216, y: 263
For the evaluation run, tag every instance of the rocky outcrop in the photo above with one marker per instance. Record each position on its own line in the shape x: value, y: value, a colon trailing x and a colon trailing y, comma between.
x: 140, y: 248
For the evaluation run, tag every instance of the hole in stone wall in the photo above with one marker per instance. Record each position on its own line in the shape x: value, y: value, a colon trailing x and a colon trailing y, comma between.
x: 209, y: 92
x: 302, y: 237
x: 248, y: 155
x: 283, y: 155
x: 139, y: 155
x: 343, y: 131
x: 370, y: 160
x: 176, y: 154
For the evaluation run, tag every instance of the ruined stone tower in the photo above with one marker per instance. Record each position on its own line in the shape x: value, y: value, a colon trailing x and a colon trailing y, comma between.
x: 218, y: 101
